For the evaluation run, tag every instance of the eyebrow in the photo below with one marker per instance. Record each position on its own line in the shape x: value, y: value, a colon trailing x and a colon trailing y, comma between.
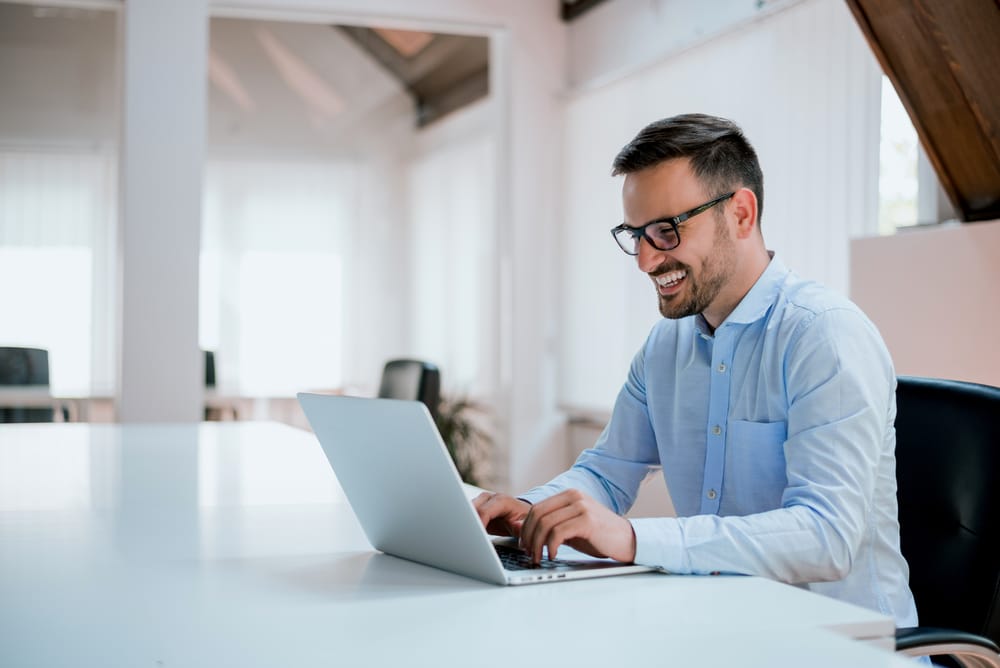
x: 661, y: 219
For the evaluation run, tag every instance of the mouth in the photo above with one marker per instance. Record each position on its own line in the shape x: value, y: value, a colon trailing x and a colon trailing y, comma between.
x: 669, y: 283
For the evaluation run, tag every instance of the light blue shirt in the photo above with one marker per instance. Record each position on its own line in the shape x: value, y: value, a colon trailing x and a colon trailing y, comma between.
x: 775, y: 437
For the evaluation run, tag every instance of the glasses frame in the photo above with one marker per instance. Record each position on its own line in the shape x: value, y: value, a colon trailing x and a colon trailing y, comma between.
x: 639, y: 233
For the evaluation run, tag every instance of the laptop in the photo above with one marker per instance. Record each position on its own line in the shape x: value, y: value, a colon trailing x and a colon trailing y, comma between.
x: 410, y: 501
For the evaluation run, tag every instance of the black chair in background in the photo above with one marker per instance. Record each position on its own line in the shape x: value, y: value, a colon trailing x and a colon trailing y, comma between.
x: 948, y: 474
x: 214, y: 411
x: 412, y: 379
x: 26, y: 367
x: 209, y: 368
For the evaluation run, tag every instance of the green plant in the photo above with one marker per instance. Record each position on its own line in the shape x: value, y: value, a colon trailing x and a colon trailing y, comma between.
x: 460, y: 420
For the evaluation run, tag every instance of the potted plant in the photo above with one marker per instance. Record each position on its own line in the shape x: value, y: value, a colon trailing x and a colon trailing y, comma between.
x: 460, y: 419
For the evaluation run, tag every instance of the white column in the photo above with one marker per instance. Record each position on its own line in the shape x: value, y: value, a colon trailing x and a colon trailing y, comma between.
x: 164, y: 65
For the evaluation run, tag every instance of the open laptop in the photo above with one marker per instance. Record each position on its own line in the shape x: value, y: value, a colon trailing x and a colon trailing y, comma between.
x: 408, y: 497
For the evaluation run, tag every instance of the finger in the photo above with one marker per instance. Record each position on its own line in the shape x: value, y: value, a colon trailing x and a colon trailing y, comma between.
x: 552, y: 530
x: 482, y: 499
x: 541, y: 509
x: 480, y: 502
x: 488, y: 508
x: 501, y: 514
x: 565, y: 534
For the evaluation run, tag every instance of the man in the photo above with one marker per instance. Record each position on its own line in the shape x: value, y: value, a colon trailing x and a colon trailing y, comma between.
x: 768, y: 400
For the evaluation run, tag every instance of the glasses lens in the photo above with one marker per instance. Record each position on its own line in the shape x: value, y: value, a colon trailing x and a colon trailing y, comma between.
x: 664, y: 236
x: 628, y: 240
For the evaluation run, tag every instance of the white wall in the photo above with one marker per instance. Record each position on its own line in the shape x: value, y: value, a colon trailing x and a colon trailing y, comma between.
x: 616, y: 39
x: 932, y: 292
x: 805, y: 88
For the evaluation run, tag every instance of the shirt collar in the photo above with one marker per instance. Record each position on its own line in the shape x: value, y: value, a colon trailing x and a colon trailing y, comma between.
x: 762, y: 295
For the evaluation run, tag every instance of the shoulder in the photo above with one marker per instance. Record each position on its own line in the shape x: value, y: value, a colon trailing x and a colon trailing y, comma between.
x: 822, y: 328
x: 805, y: 306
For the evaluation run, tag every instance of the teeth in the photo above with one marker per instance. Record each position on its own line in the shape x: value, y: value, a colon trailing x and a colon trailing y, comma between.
x: 670, y: 278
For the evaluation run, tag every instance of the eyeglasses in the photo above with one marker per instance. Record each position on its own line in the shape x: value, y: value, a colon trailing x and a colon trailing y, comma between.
x: 661, y: 234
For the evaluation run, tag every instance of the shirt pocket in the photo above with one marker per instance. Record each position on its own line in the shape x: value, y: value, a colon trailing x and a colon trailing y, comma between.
x: 755, y: 458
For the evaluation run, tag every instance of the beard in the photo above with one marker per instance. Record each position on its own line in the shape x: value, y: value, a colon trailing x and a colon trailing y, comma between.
x: 701, y: 289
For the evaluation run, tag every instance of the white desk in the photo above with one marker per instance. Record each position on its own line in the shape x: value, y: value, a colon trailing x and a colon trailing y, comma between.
x: 230, y: 544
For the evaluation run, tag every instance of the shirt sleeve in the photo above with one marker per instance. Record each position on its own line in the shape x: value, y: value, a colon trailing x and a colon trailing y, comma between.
x: 624, y: 454
x: 840, y: 389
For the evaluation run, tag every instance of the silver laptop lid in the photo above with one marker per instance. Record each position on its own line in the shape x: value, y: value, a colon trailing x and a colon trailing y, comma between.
x: 401, y: 482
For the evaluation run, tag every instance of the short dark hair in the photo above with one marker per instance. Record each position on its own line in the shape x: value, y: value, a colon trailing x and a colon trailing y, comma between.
x: 721, y: 157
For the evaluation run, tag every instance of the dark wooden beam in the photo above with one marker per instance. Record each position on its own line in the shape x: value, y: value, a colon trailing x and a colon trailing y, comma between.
x: 570, y: 9
x: 943, y: 57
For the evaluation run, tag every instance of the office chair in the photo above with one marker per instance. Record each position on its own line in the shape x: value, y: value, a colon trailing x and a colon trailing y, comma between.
x: 215, y: 413
x: 209, y: 368
x: 27, y: 367
x: 414, y: 380
x: 948, y: 476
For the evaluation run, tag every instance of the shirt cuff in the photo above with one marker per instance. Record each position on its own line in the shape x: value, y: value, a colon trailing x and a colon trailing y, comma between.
x: 660, y: 543
x: 535, y: 495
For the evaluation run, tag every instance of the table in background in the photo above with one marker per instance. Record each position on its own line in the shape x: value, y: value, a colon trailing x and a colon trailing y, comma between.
x: 232, y: 544
x: 41, y: 396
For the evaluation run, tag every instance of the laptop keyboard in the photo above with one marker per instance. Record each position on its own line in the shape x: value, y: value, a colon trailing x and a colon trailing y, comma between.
x: 514, y: 559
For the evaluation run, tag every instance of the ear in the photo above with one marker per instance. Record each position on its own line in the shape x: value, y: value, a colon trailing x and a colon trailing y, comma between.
x: 744, y: 208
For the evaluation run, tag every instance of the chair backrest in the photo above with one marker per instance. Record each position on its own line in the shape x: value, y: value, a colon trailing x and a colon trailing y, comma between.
x: 411, y: 379
x: 948, y: 474
x: 24, y: 366
x: 209, y: 368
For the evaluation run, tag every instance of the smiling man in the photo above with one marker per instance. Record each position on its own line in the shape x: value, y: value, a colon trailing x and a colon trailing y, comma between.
x: 768, y: 400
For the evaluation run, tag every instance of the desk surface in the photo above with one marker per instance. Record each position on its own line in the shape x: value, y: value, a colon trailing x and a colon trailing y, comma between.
x: 232, y: 544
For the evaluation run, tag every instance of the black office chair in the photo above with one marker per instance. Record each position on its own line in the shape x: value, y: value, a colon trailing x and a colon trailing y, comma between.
x: 216, y: 412
x: 209, y: 368
x: 414, y: 380
x: 948, y: 475
x: 26, y: 367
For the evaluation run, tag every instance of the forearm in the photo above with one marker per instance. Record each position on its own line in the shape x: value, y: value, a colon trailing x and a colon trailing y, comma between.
x: 587, y: 480
x: 793, y: 544
x: 623, y: 455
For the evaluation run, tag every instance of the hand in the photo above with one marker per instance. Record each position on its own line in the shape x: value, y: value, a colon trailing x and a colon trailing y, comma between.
x: 573, y: 518
x: 502, y: 515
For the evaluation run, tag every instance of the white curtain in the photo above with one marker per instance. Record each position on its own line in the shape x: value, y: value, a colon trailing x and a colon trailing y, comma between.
x: 274, y: 265
x: 57, y: 213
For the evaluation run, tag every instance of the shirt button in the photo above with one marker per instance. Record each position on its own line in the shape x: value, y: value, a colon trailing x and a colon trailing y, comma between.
x: 711, y: 494
x: 722, y: 367
x: 716, y: 430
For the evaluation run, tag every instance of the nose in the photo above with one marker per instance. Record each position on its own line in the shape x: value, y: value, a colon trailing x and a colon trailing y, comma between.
x: 648, y: 258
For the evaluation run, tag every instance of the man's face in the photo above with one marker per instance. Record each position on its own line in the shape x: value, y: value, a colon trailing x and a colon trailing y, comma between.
x: 689, y: 278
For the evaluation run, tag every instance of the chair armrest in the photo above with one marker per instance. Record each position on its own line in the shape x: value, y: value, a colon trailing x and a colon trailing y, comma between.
x: 968, y: 649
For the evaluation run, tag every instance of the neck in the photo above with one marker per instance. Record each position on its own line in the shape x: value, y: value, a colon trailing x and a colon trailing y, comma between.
x: 742, y: 281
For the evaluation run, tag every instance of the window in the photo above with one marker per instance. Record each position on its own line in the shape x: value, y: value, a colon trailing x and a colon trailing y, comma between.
x: 272, y: 266
x: 56, y: 215
x: 898, y: 149
x: 58, y: 189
